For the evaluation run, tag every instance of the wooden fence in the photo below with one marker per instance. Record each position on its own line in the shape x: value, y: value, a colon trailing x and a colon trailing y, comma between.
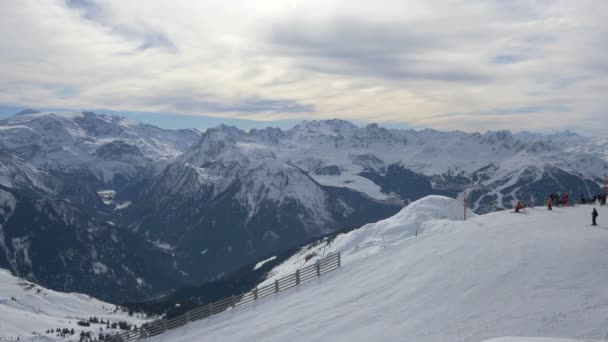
x: 158, y: 327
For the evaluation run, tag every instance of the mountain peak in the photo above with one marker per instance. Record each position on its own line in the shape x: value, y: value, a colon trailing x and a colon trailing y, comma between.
x: 331, y: 126
x: 232, y: 130
x: 502, y: 138
x: 27, y: 112
x: 566, y: 134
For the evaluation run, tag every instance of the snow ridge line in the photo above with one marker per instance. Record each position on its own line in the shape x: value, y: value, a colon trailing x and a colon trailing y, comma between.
x: 301, y: 276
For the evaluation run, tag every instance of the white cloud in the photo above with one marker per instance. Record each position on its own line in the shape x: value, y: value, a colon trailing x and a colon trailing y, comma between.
x: 446, y: 64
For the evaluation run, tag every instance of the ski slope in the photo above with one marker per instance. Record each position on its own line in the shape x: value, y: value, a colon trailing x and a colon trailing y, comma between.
x: 536, y: 274
x: 27, y: 311
x: 374, y: 237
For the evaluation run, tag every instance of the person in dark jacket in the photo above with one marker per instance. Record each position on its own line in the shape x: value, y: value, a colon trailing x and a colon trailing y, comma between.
x: 518, y: 207
x: 594, y: 216
x: 550, y: 202
x: 583, y: 199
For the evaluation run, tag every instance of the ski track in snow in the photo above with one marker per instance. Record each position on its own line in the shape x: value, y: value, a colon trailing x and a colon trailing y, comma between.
x: 539, y: 275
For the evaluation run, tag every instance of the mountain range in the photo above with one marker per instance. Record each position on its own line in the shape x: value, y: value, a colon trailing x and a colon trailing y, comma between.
x: 124, y: 210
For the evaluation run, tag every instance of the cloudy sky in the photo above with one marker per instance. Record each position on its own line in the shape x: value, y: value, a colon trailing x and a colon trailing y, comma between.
x: 445, y: 64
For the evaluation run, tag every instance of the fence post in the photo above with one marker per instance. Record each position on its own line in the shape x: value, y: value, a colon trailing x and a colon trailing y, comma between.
x: 210, y: 309
x: 339, y: 260
x: 233, y: 301
x: 165, y: 325
x: 297, y: 277
x: 187, y: 316
x: 318, y: 268
x: 255, y: 293
x: 276, y: 285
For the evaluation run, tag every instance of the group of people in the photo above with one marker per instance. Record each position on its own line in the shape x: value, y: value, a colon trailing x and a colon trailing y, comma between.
x: 599, y: 198
x: 556, y: 199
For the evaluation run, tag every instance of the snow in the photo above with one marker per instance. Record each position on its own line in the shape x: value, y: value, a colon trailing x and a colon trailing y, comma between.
x: 21, y: 246
x: 33, y: 115
x: 271, y: 180
x: 141, y: 283
x: 163, y: 245
x: 314, y: 145
x: 68, y: 141
x: 28, y: 310
x: 107, y: 196
x: 221, y: 156
x: 538, y: 274
x: 99, y: 268
x: 354, y: 182
x: 8, y: 202
x: 17, y: 127
x: 374, y: 237
x: 123, y: 205
x: 261, y: 263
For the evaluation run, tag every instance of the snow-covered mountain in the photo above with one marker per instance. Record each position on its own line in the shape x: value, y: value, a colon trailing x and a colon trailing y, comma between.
x: 28, y: 312
x: 208, y: 203
x: 375, y: 161
x: 536, y: 274
x: 53, y: 242
x: 237, y: 196
x: 231, y: 199
x: 112, y: 149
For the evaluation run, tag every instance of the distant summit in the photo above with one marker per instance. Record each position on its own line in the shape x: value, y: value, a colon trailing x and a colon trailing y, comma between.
x: 27, y: 112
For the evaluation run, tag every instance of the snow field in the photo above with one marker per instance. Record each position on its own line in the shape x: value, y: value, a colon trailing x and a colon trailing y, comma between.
x: 26, y: 308
x: 539, y: 274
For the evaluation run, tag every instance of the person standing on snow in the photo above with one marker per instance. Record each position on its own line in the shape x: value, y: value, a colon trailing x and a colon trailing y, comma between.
x: 565, y: 199
x: 532, y: 201
x: 550, y: 202
x: 594, y: 216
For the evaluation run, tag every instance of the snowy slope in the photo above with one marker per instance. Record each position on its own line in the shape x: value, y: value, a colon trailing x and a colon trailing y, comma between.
x: 374, y: 237
x: 537, y: 274
x: 27, y: 311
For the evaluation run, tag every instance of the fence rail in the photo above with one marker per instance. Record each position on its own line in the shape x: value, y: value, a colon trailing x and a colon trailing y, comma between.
x: 303, y: 275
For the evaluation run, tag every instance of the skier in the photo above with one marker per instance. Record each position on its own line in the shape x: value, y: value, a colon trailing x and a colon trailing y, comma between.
x: 550, y: 203
x: 583, y: 200
x: 565, y: 199
x: 594, y: 216
x: 556, y: 198
x: 532, y: 201
x: 518, y: 207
